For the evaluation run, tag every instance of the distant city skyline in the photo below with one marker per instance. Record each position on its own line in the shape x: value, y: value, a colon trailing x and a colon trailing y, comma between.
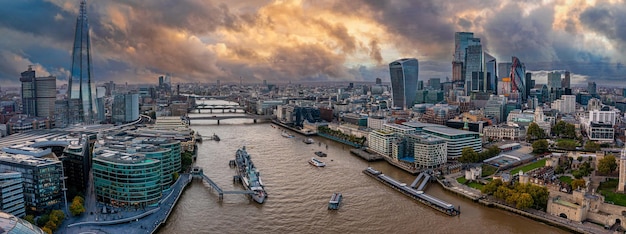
x: 302, y: 41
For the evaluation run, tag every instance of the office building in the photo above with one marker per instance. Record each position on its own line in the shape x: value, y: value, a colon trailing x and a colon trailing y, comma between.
x: 461, y: 42
x: 380, y: 141
x: 434, y: 83
x: 42, y: 180
x: 123, y: 179
x: 504, y: 70
x: 491, y: 68
x: 473, y: 58
x: 404, y: 75
x: 591, y: 88
x: 81, y: 91
x: 554, y: 80
x: 166, y: 150
x: 12, y: 193
x: 518, y: 79
x: 125, y: 108
x: 566, y: 82
x: 495, y: 107
x: 38, y: 94
x: 565, y: 105
x: 425, y: 151
x: 375, y: 122
x: 504, y: 132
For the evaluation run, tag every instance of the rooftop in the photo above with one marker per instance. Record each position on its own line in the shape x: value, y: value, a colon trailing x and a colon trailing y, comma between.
x: 448, y: 131
x: 26, y: 159
x: 419, y: 124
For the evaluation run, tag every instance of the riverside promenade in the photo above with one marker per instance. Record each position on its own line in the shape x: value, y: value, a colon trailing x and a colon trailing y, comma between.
x: 452, y: 185
x: 127, y: 220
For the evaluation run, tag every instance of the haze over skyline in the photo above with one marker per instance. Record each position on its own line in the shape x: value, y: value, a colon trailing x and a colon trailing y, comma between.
x: 306, y: 40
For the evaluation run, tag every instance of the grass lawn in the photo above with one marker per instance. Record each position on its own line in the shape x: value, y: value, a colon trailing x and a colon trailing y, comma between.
x: 488, y: 170
x: 461, y: 180
x: 607, y: 189
x: 475, y: 185
x: 528, y: 167
x: 566, y: 179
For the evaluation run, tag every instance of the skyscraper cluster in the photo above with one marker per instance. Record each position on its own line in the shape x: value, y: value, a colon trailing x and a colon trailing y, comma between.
x: 472, y: 67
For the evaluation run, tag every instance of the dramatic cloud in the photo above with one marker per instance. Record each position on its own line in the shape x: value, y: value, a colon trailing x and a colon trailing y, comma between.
x: 308, y: 40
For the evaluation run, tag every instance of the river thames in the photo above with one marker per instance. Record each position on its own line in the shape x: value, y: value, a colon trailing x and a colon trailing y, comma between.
x: 299, y: 193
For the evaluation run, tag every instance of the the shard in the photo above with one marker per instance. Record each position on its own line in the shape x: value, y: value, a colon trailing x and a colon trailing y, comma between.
x: 80, y: 88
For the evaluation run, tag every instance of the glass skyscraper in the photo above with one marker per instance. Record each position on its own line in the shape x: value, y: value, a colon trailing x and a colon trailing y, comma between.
x: 461, y: 42
x: 80, y: 88
x: 518, y: 78
x: 404, y: 73
x: 491, y: 68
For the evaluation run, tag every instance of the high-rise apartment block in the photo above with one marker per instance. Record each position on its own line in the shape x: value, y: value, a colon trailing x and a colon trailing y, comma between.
x: 404, y: 74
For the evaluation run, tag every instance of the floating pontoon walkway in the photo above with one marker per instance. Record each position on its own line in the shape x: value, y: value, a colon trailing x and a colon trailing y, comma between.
x: 197, y: 172
x: 418, y: 195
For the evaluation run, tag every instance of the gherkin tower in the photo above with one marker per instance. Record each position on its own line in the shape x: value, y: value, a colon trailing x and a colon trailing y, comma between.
x: 80, y: 87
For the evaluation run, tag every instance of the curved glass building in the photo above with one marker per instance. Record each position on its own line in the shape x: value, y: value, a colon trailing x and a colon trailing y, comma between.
x: 403, y: 74
x: 124, y: 179
x: 518, y: 78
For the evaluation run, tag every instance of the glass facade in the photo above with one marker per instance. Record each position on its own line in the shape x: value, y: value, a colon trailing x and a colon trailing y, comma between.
x: 80, y: 86
x: 473, y: 58
x: 126, y: 180
x: 125, y: 108
x: 12, y: 193
x: 518, y: 78
x: 491, y: 67
x: 404, y: 75
x: 42, y: 179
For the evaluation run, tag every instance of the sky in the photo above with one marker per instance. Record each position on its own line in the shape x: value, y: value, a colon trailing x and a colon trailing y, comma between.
x: 309, y: 40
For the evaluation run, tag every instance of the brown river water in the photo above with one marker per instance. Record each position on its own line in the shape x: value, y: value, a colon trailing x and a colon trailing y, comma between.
x: 299, y: 192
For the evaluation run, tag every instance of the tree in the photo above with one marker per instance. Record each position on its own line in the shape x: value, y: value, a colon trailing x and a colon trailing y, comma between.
x: 524, y: 200
x: 78, y: 206
x: 534, y: 132
x: 559, y: 128
x: 30, y: 218
x: 578, y: 183
x: 468, y: 155
x: 491, y: 187
x: 46, y: 230
x: 186, y: 159
x: 42, y: 220
x: 540, y: 146
x: 570, y: 131
x: 607, y: 164
x: 592, y: 146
